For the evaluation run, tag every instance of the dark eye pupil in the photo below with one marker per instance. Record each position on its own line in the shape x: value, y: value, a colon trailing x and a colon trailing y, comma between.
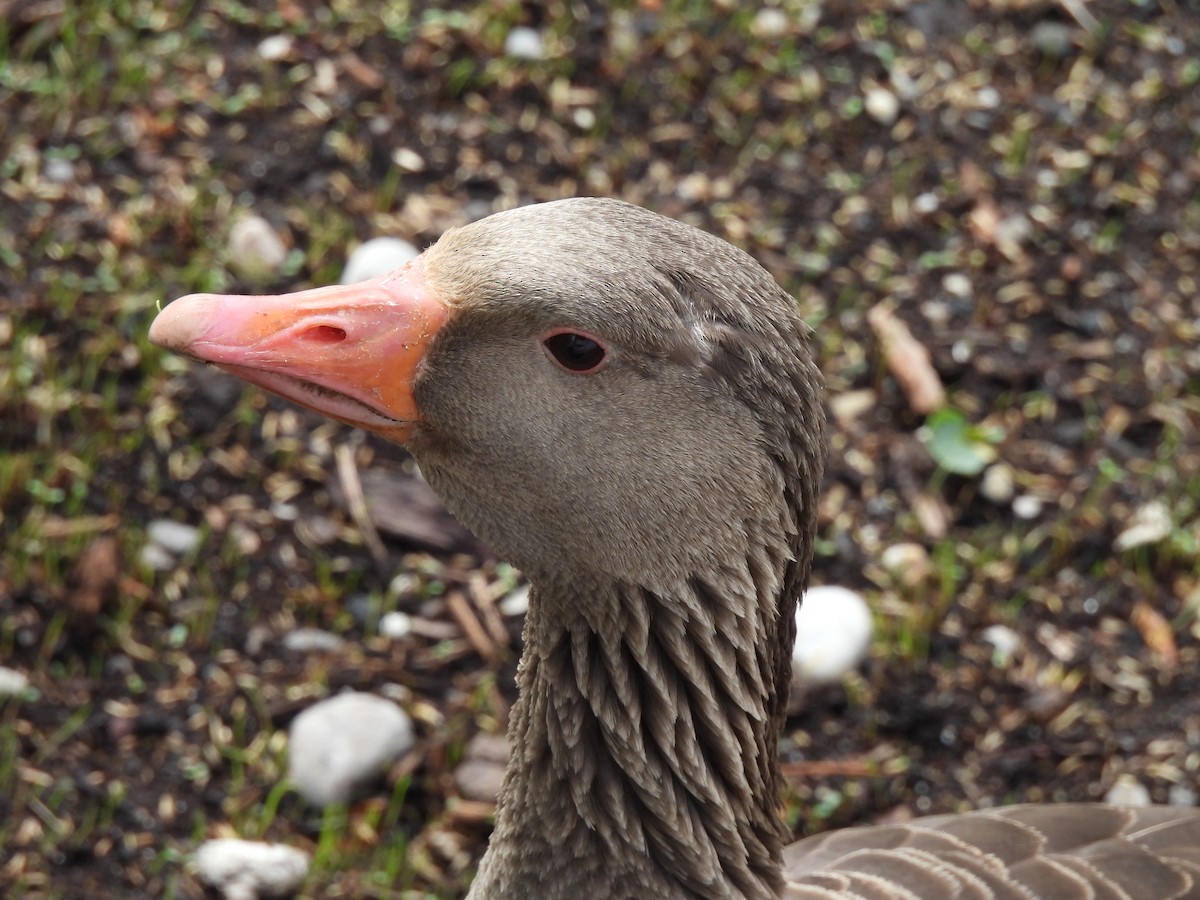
x: 576, y: 352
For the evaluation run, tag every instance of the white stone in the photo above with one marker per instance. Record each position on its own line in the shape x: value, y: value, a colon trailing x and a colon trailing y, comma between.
x: 285, y: 512
x: 377, y: 257
x: 155, y: 558
x: 516, y: 603
x: 307, y: 640
x: 926, y: 203
x: 907, y: 562
x: 480, y: 774
x: 882, y: 105
x: 833, y: 634
x: 341, y: 744
x: 59, y: 170
x: 1149, y: 525
x: 1054, y: 39
x: 395, y: 625
x: 987, y: 97
x: 524, y: 43
x: 398, y: 692
x: 1004, y: 640
x: 770, y: 22
x: 695, y: 187
x: 255, y: 250
x: 175, y: 537
x: 1128, y: 791
x: 1027, y: 507
x: 408, y: 160
x: 247, y: 870
x: 275, y: 47
x: 906, y: 87
x: 851, y: 405
x: 12, y: 682
x: 1181, y: 795
x: 998, y: 483
x: 956, y: 283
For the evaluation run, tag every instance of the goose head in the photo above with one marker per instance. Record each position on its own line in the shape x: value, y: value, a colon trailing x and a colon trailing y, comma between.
x: 591, y: 387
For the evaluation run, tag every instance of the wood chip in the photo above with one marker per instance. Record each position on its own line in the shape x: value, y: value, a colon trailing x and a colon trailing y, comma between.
x: 468, y: 621
x: 907, y: 360
x: 352, y: 485
x: 485, y: 601
x: 1156, y: 631
x: 55, y: 528
x: 857, y: 767
x: 95, y: 575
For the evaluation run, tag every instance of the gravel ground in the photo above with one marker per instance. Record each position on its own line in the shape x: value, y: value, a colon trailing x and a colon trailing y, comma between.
x: 1013, y: 188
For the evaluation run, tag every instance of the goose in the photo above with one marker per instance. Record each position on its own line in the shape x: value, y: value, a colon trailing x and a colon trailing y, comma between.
x: 627, y: 408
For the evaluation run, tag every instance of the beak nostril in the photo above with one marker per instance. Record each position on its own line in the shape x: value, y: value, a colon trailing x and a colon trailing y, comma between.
x: 324, y: 334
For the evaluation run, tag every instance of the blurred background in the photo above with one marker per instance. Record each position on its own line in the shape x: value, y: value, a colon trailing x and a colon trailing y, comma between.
x: 989, y: 211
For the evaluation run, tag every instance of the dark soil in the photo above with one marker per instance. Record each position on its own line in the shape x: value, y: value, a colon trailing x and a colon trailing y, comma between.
x: 1032, y: 214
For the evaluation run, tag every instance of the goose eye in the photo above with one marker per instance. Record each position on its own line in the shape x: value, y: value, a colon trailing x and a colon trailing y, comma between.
x: 575, y: 352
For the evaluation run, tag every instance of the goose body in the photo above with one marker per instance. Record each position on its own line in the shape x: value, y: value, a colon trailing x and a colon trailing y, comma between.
x: 627, y: 408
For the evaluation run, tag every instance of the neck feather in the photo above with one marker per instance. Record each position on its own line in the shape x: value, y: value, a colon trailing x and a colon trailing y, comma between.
x: 644, y: 739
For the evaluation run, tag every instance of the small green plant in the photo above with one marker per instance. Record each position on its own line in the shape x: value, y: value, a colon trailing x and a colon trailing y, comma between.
x: 956, y: 445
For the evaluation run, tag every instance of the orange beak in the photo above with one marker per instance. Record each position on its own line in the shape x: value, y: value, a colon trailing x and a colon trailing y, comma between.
x: 350, y: 352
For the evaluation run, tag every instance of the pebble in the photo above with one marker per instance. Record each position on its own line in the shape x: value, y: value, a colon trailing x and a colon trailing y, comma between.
x: 247, y: 870
x: 926, y: 203
x: 285, y: 512
x: 398, y: 693
x: 833, y: 634
x: 770, y: 22
x: 245, y: 538
x: 957, y: 284
x: 340, y: 745
x: 1045, y: 704
x: 480, y: 775
x: 156, y: 559
x: 176, y: 538
x: 1181, y: 795
x: 850, y: 405
x: 256, y: 638
x: 1004, y: 641
x: 408, y: 160
x: 59, y: 170
x: 1027, y: 507
x: 998, y: 483
x: 275, y: 48
x: 1150, y: 524
x: 377, y: 257
x: 1128, y: 791
x: 907, y: 562
x: 1011, y: 232
x: 12, y: 682
x: 882, y: 105
x: 524, y: 43
x: 695, y: 187
x: 987, y: 97
x: 255, y: 250
x: 395, y: 625
x: 515, y: 603
x: 307, y: 640
x: 1054, y: 39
